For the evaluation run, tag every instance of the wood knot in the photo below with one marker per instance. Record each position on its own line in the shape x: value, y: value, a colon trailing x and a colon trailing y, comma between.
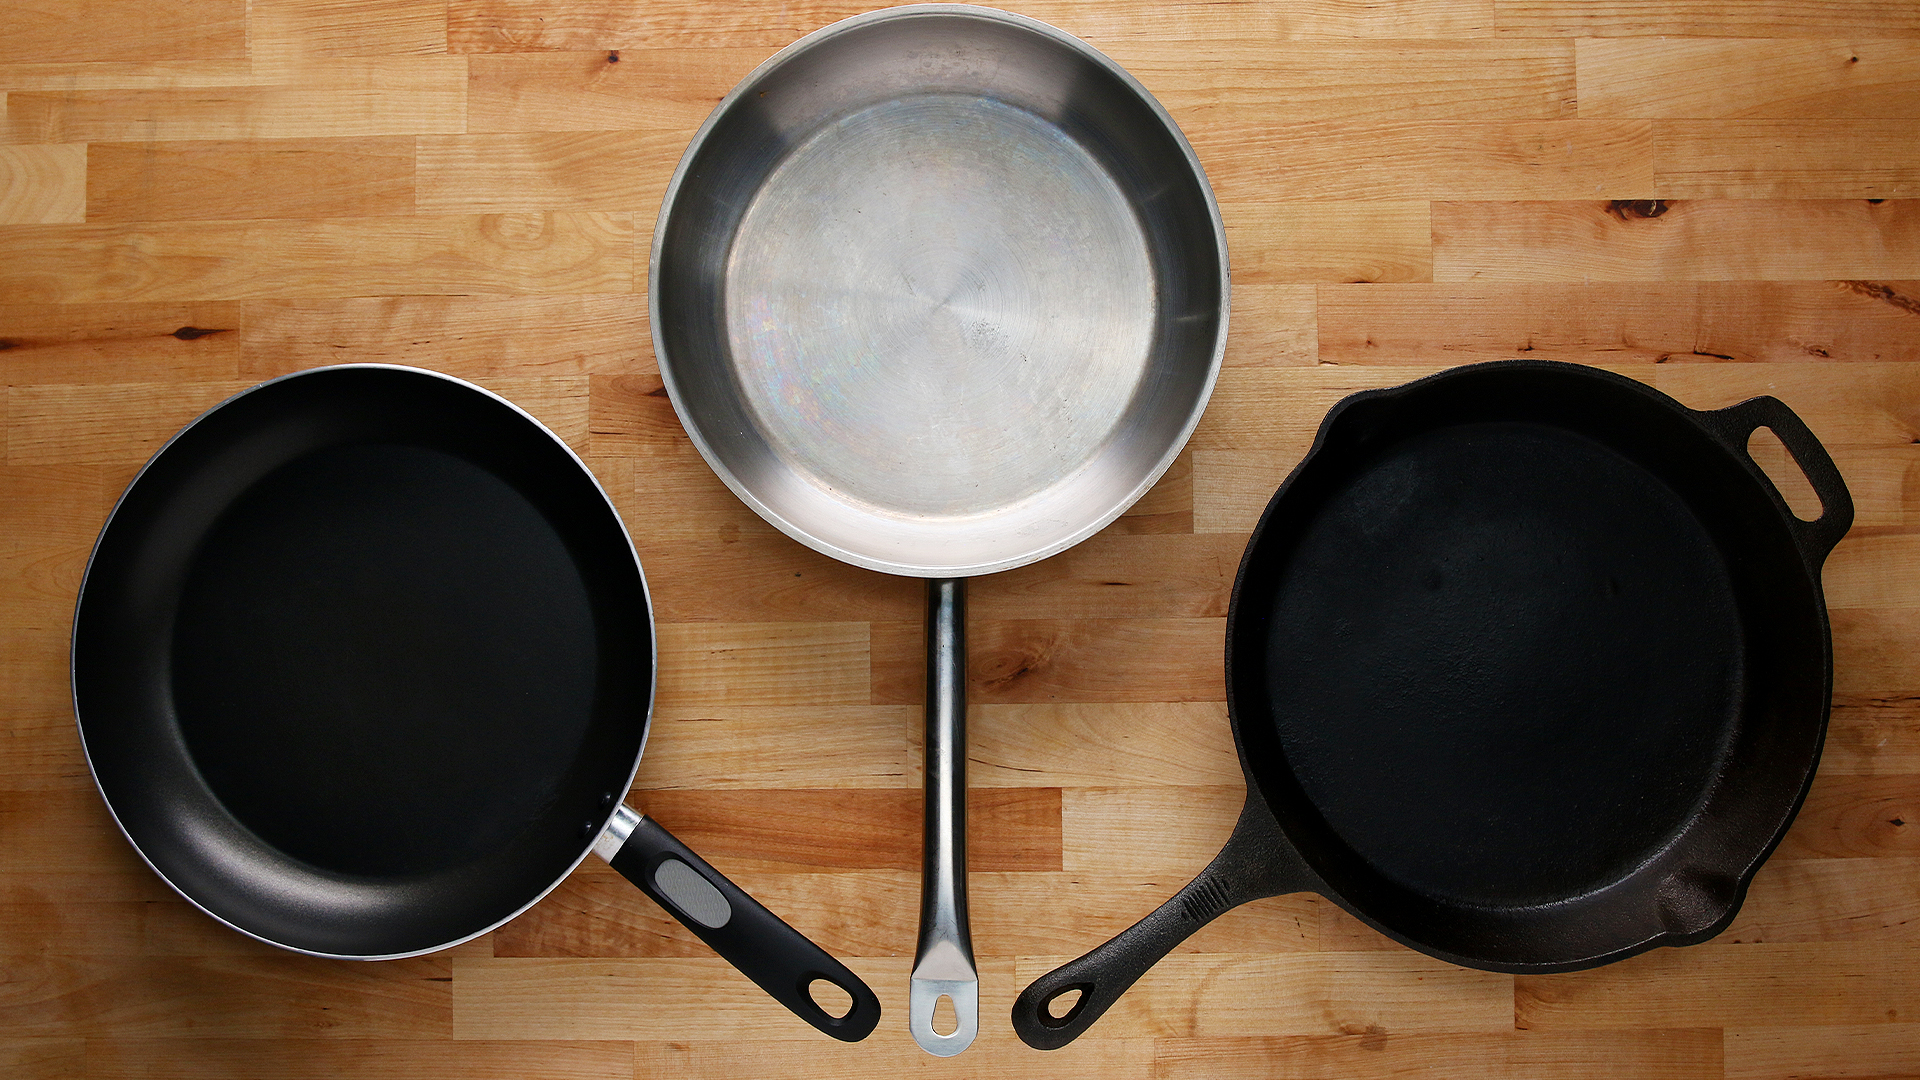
x: 1637, y: 209
x: 1003, y: 669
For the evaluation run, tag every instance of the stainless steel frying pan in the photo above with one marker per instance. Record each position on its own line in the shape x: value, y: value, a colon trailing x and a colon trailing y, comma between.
x: 939, y: 291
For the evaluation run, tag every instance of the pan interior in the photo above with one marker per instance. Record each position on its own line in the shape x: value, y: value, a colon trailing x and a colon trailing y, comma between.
x: 939, y: 291
x: 363, y: 660
x: 370, y: 681
x: 1504, y: 663
x: 914, y: 316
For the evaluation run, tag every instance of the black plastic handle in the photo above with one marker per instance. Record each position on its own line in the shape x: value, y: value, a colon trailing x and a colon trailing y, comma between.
x: 1735, y: 424
x: 1256, y: 862
x: 776, y: 956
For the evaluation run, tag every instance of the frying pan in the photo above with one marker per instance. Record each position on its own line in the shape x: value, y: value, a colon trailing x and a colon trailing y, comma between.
x: 939, y: 291
x: 363, y: 662
x: 1528, y: 667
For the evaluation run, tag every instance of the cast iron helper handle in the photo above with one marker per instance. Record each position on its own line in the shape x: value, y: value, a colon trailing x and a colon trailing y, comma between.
x: 943, y: 963
x: 1256, y: 862
x: 765, y: 949
x: 1735, y: 424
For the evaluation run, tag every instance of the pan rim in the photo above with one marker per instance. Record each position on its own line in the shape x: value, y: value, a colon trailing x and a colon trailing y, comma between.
x: 929, y: 569
x: 653, y: 646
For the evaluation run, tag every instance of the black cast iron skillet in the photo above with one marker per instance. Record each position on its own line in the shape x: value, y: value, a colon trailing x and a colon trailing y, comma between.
x: 363, y: 663
x: 1528, y: 667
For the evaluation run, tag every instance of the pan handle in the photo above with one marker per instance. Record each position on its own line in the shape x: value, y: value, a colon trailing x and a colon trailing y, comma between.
x: 1735, y: 424
x: 943, y: 961
x: 1257, y: 861
x: 759, y: 943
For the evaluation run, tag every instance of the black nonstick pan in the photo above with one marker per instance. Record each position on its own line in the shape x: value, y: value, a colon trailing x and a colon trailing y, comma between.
x: 363, y: 665
x: 1528, y: 667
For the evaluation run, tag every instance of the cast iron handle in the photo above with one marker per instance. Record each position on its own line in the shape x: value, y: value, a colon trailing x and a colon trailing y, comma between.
x: 1735, y: 424
x: 776, y: 956
x: 1257, y: 861
x: 943, y: 963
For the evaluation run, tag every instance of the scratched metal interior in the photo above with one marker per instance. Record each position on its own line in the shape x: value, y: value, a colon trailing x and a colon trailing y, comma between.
x: 939, y: 294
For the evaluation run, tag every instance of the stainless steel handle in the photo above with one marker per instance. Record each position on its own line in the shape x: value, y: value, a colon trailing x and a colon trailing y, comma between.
x: 943, y: 964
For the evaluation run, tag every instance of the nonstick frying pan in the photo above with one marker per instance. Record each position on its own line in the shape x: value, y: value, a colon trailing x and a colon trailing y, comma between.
x: 364, y: 662
x: 939, y: 291
x: 1528, y: 667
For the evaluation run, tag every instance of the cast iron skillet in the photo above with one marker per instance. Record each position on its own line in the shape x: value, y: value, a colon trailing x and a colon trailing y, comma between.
x: 363, y: 663
x: 1528, y: 667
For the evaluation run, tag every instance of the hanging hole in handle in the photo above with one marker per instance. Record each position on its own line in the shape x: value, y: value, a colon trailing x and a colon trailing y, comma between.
x: 1771, y: 455
x: 1065, y: 1004
x: 831, y: 997
x: 945, y: 1016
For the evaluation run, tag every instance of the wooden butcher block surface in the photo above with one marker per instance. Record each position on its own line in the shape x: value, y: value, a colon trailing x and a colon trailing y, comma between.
x: 1719, y: 199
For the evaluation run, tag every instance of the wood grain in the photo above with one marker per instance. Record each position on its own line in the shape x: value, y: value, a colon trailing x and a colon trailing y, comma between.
x: 1691, y: 240
x: 260, y: 997
x: 284, y: 30
x: 1696, y: 79
x: 531, y: 26
x: 1616, y: 323
x: 1842, y: 1051
x: 458, y: 253
x: 1706, y: 19
x: 69, y: 344
x: 713, y: 1059
x: 1255, y: 160
x: 52, y: 30
x: 287, y: 178
x: 632, y: 89
x: 1765, y: 159
x: 1041, y: 660
x: 1784, y: 985
x: 124, y: 74
x: 319, y: 1059
x: 1872, y: 898
x: 1532, y: 1055
x: 1253, y: 82
x: 469, y: 336
x: 335, y: 99
x: 1718, y: 199
x: 490, y: 174
x: 43, y: 185
x: 1338, y: 241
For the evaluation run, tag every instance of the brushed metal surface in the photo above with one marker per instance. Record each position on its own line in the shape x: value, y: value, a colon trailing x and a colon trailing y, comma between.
x: 943, y: 961
x: 939, y: 290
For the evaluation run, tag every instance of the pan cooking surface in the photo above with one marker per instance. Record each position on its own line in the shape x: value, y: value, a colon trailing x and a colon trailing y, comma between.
x: 916, y: 313
x: 939, y: 291
x: 362, y: 661
x: 1504, y: 662
x: 384, y: 660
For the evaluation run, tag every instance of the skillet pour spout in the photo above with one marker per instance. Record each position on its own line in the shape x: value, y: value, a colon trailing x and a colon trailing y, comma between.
x: 1528, y: 667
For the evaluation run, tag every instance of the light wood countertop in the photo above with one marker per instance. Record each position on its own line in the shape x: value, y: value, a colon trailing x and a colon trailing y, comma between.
x: 1721, y: 199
